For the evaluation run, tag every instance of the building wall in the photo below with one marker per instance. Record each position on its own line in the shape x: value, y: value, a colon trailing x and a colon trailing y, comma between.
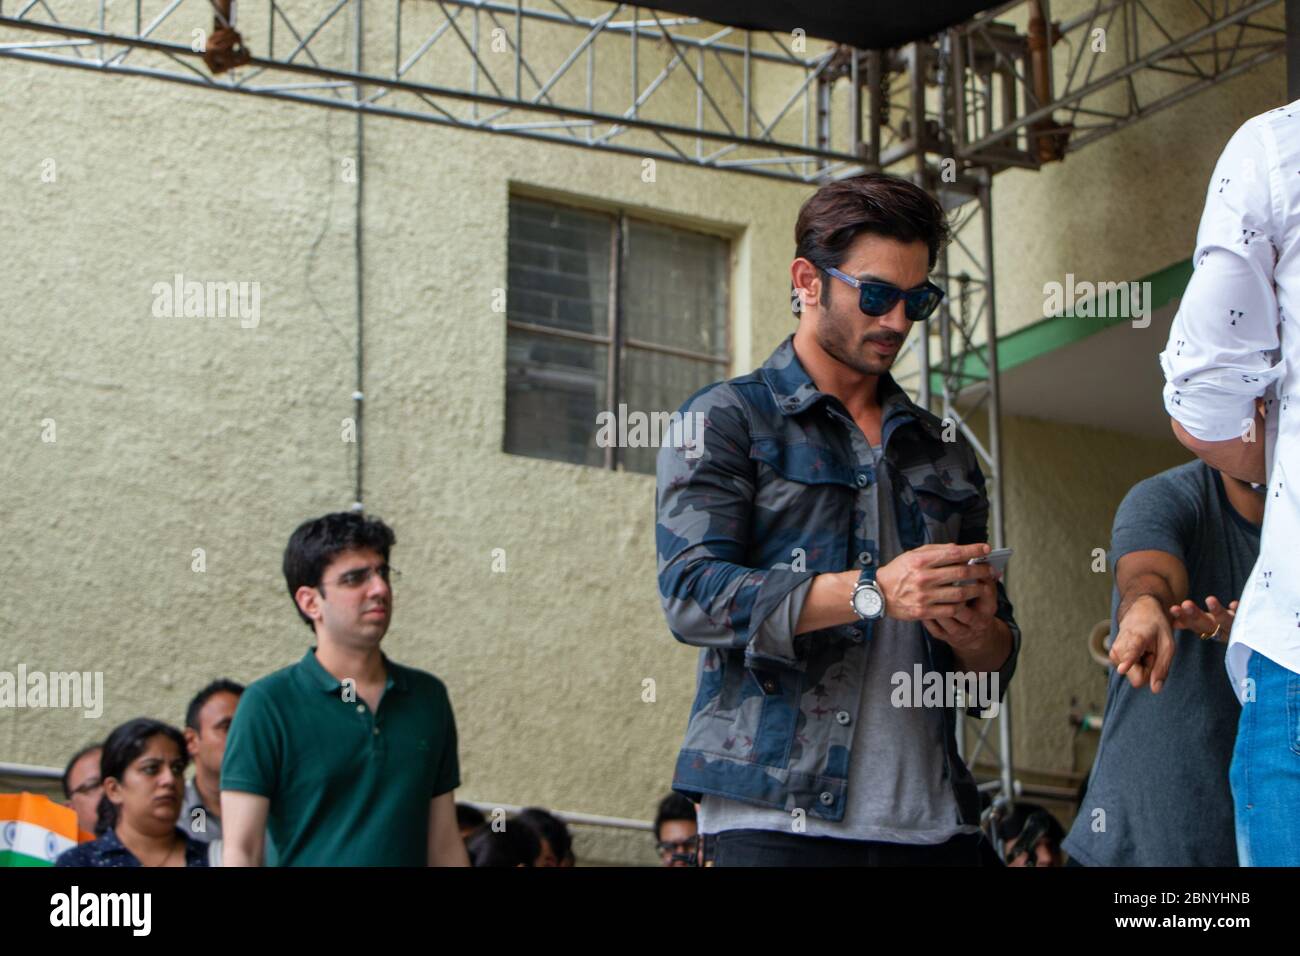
x: 179, y: 434
x: 174, y: 434
x: 1062, y: 488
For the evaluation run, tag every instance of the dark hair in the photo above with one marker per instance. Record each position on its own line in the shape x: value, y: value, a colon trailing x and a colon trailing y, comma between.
x: 67, y: 771
x: 127, y: 742
x: 512, y: 846
x: 549, y: 827
x: 1013, y: 824
x: 673, y: 807
x: 317, y: 542
x: 877, y: 203
x: 222, y: 685
x: 467, y: 816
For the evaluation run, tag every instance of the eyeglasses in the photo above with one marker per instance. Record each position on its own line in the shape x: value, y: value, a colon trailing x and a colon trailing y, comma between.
x: 688, y: 846
x: 877, y: 298
x: 360, y: 576
x: 94, y: 783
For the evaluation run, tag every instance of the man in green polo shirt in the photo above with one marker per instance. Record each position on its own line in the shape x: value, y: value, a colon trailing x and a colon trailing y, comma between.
x: 345, y: 758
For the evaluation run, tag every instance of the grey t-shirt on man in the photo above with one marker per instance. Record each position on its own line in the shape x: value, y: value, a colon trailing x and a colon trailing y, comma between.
x: 1158, y: 794
x: 897, y: 790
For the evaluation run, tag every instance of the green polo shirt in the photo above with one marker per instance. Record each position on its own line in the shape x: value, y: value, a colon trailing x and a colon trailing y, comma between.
x: 348, y: 786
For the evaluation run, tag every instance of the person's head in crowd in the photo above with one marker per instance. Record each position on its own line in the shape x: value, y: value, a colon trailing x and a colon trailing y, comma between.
x: 515, y: 845
x: 82, y: 787
x: 143, y: 769
x: 556, y: 843
x: 1031, y: 837
x: 676, y: 832
x: 336, y: 569
x: 468, y: 819
x: 207, y: 721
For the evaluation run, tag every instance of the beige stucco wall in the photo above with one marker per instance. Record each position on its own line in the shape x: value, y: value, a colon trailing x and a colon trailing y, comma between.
x: 1063, y: 485
x: 177, y: 434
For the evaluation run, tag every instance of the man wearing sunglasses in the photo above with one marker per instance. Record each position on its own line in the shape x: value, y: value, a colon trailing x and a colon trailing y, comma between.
x: 346, y: 758
x: 815, y: 549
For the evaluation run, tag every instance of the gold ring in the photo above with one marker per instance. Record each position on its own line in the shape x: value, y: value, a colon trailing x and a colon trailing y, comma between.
x: 1212, y: 635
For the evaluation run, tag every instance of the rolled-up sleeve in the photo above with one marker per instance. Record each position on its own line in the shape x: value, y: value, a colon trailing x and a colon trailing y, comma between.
x: 705, y: 500
x: 1223, y: 349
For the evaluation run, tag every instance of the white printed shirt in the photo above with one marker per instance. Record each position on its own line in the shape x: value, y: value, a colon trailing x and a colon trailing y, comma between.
x: 1234, y: 339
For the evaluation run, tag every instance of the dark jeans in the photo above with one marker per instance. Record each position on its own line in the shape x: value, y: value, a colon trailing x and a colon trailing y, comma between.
x: 773, y: 848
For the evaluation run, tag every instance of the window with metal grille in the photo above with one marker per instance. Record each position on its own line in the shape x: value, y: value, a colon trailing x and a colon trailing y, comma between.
x: 606, y: 313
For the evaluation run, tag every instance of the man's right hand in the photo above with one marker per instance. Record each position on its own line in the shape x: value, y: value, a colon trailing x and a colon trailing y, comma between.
x: 919, y: 584
x: 1143, y: 651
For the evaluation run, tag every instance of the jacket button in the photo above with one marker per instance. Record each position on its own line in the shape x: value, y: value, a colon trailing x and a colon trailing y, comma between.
x: 843, y: 716
x: 826, y: 798
x: 864, y: 558
x: 862, y: 480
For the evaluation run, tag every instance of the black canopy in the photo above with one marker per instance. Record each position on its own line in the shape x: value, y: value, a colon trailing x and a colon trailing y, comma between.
x: 866, y: 24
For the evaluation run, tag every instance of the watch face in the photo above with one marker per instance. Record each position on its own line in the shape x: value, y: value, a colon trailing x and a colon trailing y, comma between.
x: 867, y: 602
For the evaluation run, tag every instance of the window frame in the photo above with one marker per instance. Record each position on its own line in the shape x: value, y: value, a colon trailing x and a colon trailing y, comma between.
x: 617, y: 341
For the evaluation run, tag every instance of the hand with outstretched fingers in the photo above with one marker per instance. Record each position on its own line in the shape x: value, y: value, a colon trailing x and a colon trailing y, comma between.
x: 1214, y: 620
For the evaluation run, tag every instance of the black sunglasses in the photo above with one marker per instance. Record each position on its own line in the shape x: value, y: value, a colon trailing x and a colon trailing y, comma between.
x: 877, y: 298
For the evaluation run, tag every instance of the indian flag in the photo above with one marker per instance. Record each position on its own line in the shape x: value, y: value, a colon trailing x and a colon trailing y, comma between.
x: 34, y: 830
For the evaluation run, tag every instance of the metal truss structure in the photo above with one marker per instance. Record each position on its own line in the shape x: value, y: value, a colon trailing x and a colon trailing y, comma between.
x: 632, y: 80
x: 1008, y: 88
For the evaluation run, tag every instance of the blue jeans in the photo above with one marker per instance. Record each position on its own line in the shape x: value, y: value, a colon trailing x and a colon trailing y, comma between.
x: 1265, y: 774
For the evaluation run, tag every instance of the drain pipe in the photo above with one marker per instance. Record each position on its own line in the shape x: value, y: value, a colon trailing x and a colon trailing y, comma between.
x: 359, y: 394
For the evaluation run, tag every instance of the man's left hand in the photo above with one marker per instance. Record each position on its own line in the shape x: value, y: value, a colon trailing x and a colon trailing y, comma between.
x: 969, y: 627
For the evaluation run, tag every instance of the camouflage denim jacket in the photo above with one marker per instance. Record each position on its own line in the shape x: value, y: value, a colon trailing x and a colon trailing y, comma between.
x: 762, y: 500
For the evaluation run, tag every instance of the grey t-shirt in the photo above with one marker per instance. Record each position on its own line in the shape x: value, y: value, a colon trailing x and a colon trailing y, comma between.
x: 1159, y: 785
x: 186, y: 821
x: 897, y: 790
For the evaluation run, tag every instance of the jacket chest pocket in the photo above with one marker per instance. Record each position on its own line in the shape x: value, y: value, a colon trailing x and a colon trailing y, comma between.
x: 942, y: 495
x: 803, y: 498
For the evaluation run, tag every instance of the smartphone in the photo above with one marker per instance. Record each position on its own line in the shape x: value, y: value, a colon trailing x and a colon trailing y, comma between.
x: 998, y: 557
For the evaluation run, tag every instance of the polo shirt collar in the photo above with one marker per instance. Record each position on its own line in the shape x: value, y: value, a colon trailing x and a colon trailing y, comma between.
x: 317, y: 676
x: 795, y: 391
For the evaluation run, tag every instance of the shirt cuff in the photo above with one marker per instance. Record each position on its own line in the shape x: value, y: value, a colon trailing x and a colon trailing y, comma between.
x: 773, y: 640
x: 1208, y: 413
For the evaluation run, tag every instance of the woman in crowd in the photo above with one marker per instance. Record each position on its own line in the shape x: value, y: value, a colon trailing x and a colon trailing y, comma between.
x: 143, y: 774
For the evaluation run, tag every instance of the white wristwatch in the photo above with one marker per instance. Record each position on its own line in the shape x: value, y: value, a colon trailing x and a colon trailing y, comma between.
x: 868, y: 601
